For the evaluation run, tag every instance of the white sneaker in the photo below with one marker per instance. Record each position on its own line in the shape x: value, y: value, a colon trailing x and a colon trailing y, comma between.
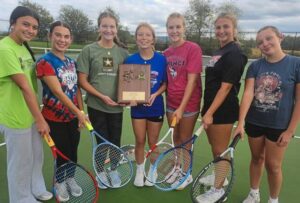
x: 173, y: 175
x: 149, y: 183
x: 44, y: 196
x: 211, y: 196
x: 115, y: 179
x: 252, y: 197
x: 62, y: 192
x: 209, y: 180
x: 185, y: 183
x: 75, y: 189
x: 139, y: 178
x: 102, y: 178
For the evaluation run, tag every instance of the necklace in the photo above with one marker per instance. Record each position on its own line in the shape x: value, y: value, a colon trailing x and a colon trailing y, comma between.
x: 147, y: 58
x: 107, y: 48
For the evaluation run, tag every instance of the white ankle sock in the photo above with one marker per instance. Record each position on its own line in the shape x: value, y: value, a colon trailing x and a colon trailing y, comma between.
x: 140, y: 167
x: 273, y: 200
x: 256, y: 191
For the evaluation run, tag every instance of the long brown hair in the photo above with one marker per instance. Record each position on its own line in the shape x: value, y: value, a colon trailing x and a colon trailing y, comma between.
x: 22, y: 11
x: 109, y: 14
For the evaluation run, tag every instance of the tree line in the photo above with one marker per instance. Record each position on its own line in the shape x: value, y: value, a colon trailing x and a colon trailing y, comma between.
x: 199, y: 16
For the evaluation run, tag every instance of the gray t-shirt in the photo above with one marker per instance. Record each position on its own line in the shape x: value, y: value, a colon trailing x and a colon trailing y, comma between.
x: 274, y: 91
x: 101, y: 65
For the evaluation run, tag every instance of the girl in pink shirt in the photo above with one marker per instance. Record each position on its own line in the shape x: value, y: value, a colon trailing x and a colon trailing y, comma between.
x: 184, y: 65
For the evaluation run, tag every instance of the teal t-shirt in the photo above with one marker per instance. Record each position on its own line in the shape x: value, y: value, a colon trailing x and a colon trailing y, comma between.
x: 274, y: 91
x: 15, y: 59
x: 101, y: 65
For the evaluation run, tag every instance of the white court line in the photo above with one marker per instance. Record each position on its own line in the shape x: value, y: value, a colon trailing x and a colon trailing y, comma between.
x: 2, y: 144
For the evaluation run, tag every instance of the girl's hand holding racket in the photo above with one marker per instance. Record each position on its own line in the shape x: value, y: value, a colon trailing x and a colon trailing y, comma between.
x: 42, y: 127
x: 82, y: 119
x: 207, y: 120
x: 239, y: 130
x: 178, y: 113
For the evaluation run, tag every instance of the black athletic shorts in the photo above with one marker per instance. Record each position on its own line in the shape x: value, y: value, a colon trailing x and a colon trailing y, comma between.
x: 225, y: 114
x: 258, y: 131
x: 152, y: 119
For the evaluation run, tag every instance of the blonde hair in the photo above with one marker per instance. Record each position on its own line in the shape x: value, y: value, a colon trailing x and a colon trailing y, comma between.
x: 176, y: 15
x: 233, y: 19
x: 109, y: 14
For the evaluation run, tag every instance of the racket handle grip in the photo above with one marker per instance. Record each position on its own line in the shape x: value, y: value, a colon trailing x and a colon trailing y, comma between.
x: 87, y: 124
x: 174, y: 121
x: 49, y: 140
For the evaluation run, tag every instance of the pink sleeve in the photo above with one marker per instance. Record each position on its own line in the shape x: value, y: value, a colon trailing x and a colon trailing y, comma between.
x: 194, y: 59
x: 43, y: 68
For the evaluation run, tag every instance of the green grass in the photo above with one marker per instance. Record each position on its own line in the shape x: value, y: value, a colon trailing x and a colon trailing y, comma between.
x: 202, y: 155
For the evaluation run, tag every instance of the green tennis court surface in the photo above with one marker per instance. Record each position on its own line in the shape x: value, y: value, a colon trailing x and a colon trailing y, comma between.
x: 290, y: 192
x: 129, y: 194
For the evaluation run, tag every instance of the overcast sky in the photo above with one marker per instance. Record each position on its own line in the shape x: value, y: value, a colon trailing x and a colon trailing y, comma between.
x: 285, y: 14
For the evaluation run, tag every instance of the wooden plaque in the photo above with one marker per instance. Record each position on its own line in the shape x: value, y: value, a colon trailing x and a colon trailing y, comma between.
x: 134, y: 83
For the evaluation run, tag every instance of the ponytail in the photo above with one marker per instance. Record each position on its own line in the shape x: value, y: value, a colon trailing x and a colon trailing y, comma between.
x: 30, y: 50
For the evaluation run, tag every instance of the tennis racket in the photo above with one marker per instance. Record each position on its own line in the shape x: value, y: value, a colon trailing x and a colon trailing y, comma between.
x: 71, y: 181
x: 216, y: 177
x: 111, y: 165
x: 130, y: 151
x: 174, y: 166
x: 156, y: 150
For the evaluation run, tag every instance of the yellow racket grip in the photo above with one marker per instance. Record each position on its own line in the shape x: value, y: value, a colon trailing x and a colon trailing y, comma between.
x: 49, y: 140
x: 87, y: 124
x: 174, y: 121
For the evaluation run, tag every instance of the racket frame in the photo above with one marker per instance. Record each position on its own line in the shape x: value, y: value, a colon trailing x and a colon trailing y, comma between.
x: 160, y: 142
x: 56, y: 152
x: 182, y: 147
x: 93, y: 134
x: 230, y: 149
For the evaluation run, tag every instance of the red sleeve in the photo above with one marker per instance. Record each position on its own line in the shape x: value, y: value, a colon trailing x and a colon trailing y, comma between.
x: 43, y: 68
x: 194, y: 59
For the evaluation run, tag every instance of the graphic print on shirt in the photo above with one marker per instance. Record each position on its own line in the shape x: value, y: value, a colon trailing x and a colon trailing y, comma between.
x: 213, y: 61
x: 175, y: 63
x: 68, y: 78
x: 108, y: 64
x: 267, y: 92
x: 153, y: 78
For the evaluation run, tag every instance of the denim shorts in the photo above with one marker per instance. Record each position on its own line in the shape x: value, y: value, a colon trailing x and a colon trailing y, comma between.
x: 185, y: 114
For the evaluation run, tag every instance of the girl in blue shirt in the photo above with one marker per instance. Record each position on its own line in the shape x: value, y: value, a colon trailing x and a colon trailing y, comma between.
x: 147, y: 119
x: 270, y: 111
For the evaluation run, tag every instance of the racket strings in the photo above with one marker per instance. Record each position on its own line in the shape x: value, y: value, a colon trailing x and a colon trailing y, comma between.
x: 113, y: 168
x: 129, y: 151
x: 74, y: 184
x: 173, y: 168
x: 216, y: 175
x: 150, y: 160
